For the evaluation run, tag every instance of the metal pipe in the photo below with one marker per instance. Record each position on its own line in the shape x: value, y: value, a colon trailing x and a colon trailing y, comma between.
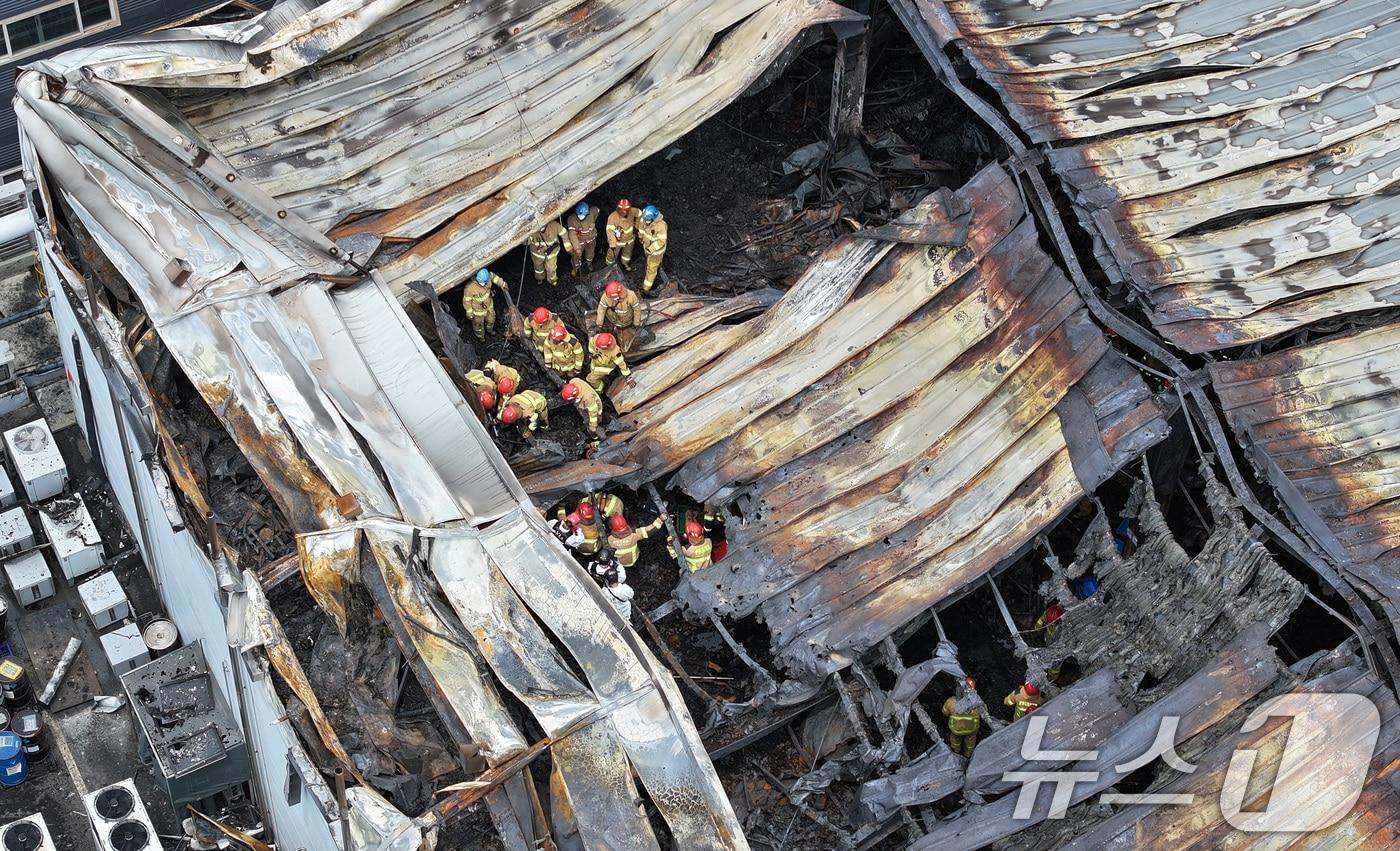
x: 346, y: 842
x: 61, y: 670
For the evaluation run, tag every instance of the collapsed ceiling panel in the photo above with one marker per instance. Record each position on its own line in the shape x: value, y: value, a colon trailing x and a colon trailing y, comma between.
x: 1233, y: 160
x: 899, y: 424
x: 1320, y: 423
x: 521, y: 107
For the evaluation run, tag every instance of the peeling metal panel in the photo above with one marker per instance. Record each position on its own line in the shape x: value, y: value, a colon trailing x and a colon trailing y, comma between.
x: 620, y: 671
x: 1371, y: 824
x: 1234, y: 159
x: 906, y: 435
x: 1320, y: 421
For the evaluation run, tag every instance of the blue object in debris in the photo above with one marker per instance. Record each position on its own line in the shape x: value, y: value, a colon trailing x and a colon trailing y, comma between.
x: 14, y: 768
x: 1085, y: 586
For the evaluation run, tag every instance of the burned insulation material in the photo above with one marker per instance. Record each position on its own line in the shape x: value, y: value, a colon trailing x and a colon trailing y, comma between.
x: 1214, y: 595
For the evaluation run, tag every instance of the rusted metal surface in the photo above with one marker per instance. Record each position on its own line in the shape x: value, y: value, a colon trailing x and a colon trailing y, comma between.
x: 1370, y: 824
x: 339, y: 406
x: 966, y: 402
x: 1320, y: 424
x: 1231, y: 159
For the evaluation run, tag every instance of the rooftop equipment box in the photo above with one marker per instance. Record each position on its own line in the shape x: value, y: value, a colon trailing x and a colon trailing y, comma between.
x: 69, y: 528
x: 37, y: 461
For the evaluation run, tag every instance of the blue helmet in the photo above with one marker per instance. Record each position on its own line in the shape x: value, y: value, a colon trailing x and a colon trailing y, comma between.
x: 650, y: 212
x: 582, y: 209
x: 482, y: 276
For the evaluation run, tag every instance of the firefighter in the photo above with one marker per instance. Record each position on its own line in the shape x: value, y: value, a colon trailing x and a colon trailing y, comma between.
x: 1025, y: 699
x: 622, y: 234
x: 590, y: 528
x: 697, y: 549
x: 544, y: 251
x: 963, y: 712
x: 507, y: 379
x: 1047, y: 620
x: 608, y: 504
x: 478, y: 302
x: 625, y: 541
x: 582, y: 225
x: 529, y: 409
x: 620, y: 312
x: 483, y: 385
x: 610, y: 573
x: 586, y: 399
x: 562, y: 352
x: 604, y: 356
x: 651, y: 232
x: 538, y: 325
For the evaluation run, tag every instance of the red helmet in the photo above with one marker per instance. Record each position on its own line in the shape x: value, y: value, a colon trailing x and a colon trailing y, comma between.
x: 505, y: 384
x: 617, y: 523
x: 570, y: 391
x: 971, y: 684
x: 585, y: 510
x: 605, y: 340
x: 541, y: 315
x: 694, y: 531
x: 1031, y: 689
x: 558, y: 333
x: 487, y: 399
x: 623, y: 206
x: 574, y: 520
x: 510, y: 414
x: 613, y: 289
x: 1054, y: 613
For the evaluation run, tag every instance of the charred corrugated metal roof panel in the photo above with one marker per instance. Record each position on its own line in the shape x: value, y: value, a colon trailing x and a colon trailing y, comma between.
x: 1371, y: 823
x: 1235, y: 159
x: 1322, y: 421
x: 902, y: 421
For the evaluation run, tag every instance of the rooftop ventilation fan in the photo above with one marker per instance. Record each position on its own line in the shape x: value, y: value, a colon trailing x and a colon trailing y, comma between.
x: 27, y: 834
x: 31, y: 439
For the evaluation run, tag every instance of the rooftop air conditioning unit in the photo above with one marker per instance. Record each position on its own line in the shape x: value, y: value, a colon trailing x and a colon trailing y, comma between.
x: 30, y: 833
x: 16, y: 535
x: 76, y: 543
x: 7, y: 365
x: 37, y: 460
x: 119, y: 819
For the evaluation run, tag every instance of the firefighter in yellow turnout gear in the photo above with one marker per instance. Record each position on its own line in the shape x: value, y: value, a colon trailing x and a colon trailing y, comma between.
x: 1024, y: 699
x: 479, y: 302
x: 622, y: 233
x: 582, y: 225
x: 604, y: 356
x: 651, y: 231
x: 963, y: 712
x: 529, y: 409
x: 562, y: 352
x: 697, y: 550
x: 586, y: 399
x: 625, y: 542
x: 544, y: 251
x: 620, y: 312
x: 507, y: 379
x: 538, y: 326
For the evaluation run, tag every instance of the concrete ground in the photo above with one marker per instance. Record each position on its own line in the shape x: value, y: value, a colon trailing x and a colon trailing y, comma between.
x: 88, y: 749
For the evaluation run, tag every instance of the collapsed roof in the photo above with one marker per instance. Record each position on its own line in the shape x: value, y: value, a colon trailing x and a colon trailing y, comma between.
x: 929, y: 398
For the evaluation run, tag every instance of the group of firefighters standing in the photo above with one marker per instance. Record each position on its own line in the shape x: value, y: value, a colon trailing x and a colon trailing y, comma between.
x: 595, y: 527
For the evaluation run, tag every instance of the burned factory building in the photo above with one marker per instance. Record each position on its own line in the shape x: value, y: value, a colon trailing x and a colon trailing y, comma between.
x: 719, y: 424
